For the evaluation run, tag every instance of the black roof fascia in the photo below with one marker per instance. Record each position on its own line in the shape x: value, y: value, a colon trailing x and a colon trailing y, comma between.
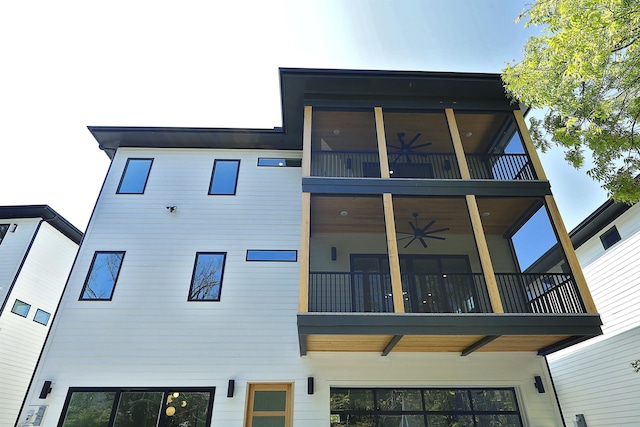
x: 328, y: 88
x: 47, y: 214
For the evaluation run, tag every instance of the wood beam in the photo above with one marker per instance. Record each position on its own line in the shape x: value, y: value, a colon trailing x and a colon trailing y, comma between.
x: 483, y: 251
x: 528, y: 145
x: 303, y: 297
x: 382, y: 143
x: 478, y: 344
x: 306, y: 141
x: 570, y: 254
x: 395, y: 340
x: 457, y: 144
x: 394, y: 259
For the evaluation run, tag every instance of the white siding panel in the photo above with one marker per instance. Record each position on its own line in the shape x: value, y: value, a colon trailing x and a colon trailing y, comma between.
x: 150, y: 335
x: 598, y: 381
x: 12, y: 250
x: 39, y: 284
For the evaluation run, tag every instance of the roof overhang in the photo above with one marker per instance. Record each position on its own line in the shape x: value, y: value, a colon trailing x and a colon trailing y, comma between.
x: 324, y: 89
x: 47, y: 214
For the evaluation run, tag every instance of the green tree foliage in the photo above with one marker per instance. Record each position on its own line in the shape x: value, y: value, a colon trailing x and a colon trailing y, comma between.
x: 584, y: 69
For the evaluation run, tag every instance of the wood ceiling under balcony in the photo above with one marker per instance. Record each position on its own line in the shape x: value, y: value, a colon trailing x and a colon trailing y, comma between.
x: 365, y: 214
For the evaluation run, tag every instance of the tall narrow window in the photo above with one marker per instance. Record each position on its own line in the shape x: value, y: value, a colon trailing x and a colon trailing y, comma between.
x: 206, y: 281
x: 3, y: 230
x: 225, y: 177
x: 610, y: 237
x: 135, y: 175
x: 21, y: 308
x: 102, y: 276
x: 269, y: 405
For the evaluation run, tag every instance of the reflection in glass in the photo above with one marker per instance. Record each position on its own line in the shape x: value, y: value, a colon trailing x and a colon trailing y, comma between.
x: 134, y: 177
x: 270, y: 421
x: 41, y: 317
x: 351, y: 399
x: 225, y: 177
x: 138, y: 409
x: 450, y: 421
x: 89, y: 409
x: 207, y: 277
x: 189, y: 409
x: 21, y: 308
x: 270, y: 400
x: 355, y: 421
x: 446, y: 400
x: 399, y: 400
x: 401, y: 421
x: 102, y: 275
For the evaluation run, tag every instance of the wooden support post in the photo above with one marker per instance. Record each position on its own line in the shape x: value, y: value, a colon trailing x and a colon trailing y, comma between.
x: 303, y: 297
x: 306, y: 141
x: 382, y: 143
x: 394, y: 259
x: 483, y: 251
x: 570, y: 254
x: 528, y: 145
x: 457, y: 144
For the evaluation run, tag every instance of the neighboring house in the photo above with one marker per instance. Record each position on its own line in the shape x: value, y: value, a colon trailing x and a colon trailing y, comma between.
x: 356, y: 267
x: 595, y: 378
x: 37, y: 248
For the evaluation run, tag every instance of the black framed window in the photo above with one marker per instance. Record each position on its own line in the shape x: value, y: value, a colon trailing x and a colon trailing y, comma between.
x: 149, y: 407
x: 41, y: 317
x: 279, y: 162
x: 206, y: 281
x: 224, y: 178
x: 422, y: 407
x: 21, y: 308
x: 102, y: 277
x: 3, y: 230
x: 610, y: 237
x: 272, y: 255
x: 135, y: 176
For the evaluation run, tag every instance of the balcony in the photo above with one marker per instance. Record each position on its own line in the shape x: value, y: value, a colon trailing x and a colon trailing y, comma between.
x: 445, y: 301
x: 418, y: 145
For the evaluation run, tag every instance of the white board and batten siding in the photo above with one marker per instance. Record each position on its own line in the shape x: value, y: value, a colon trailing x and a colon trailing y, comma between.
x: 149, y: 335
x: 40, y: 283
x: 595, y: 378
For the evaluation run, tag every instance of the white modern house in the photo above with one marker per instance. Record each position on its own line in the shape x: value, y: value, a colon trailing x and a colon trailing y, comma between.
x: 594, y: 379
x: 361, y: 265
x: 37, y: 248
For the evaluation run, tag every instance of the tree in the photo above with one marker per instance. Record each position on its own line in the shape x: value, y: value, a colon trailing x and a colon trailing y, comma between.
x: 584, y: 69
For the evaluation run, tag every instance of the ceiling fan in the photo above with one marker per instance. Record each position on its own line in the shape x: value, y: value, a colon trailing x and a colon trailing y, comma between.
x: 420, y: 234
x: 406, y: 148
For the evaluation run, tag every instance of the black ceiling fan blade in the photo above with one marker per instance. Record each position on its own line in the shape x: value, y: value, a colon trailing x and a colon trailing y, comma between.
x: 428, y: 236
x: 410, y: 242
x: 422, y: 145
x: 394, y: 146
x: 414, y: 139
x: 426, y: 227
x: 439, y: 230
x: 424, y: 244
x: 407, y: 237
x: 415, y: 229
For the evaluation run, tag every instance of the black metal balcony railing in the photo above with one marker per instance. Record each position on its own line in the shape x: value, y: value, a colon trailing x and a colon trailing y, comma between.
x: 338, y: 292
x: 502, y: 167
x: 350, y: 292
x: 366, y: 164
x: 539, y: 293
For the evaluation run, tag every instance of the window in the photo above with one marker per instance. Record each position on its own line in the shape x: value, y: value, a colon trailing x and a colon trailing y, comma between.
x: 206, y: 281
x: 269, y: 405
x: 21, y: 308
x: 135, y: 175
x: 280, y: 162
x: 41, y: 317
x: 610, y: 237
x: 225, y: 177
x: 111, y: 407
x: 102, y: 276
x: 272, y: 255
x: 424, y: 407
x: 3, y: 230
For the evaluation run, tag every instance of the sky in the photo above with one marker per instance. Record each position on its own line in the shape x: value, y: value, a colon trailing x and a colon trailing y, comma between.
x: 66, y: 65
